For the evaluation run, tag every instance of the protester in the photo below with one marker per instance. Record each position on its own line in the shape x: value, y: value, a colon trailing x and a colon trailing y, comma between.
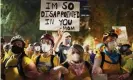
x: 37, y: 49
x: 108, y: 61
x: 86, y: 55
x: 62, y: 45
x: 46, y: 60
x: 92, y: 56
x: 128, y: 65
x: 75, y: 68
x: 19, y: 66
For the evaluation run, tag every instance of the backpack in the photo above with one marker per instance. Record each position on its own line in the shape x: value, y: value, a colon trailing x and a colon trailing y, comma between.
x: 103, y: 60
x: 19, y: 66
x: 51, y: 61
x: 66, y: 65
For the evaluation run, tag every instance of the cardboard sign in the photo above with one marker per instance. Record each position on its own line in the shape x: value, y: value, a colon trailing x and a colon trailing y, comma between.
x: 122, y: 34
x: 60, y: 14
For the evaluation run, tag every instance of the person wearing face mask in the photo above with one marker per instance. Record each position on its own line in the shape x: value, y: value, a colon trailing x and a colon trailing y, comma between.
x: 37, y: 49
x: 62, y: 45
x: 18, y: 66
x: 46, y: 60
x: 75, y: 68
x: 108, y: 60
x: 128, y: 63
x: 86, y: 55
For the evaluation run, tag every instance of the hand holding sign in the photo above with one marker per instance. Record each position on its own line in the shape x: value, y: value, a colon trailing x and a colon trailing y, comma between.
x: 60, y: 32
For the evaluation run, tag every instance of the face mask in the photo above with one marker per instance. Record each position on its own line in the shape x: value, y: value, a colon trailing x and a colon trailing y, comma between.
x: 17, y: 50
x: 68, y: 41
x: 75, y: 57
x: 112, y: 45
x: 46, y: 47
x: 37, y: 48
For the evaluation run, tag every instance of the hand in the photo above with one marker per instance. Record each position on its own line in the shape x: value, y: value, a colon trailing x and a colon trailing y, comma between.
x: 60, y: 32
x: 124, y: 76
x: 59, y: 69
x: 97, y: 70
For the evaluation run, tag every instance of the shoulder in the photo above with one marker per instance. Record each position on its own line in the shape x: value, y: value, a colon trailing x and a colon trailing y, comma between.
x: 26, y: 61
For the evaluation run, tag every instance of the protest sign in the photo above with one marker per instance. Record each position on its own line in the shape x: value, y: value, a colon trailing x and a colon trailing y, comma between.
x: 60, y: 14
x: 122, y: 34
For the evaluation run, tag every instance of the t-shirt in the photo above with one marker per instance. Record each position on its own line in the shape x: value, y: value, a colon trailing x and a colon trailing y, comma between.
x: 44, y: 64
x: 128, y: 67
x: 62, y: 53
x: 34, y: 56
x: 12, y: 73
x: 8, y: 54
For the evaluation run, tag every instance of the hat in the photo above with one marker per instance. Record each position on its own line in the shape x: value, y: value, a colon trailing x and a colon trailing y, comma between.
x: 111, y: 34
x: 36, y: 44
x: 66, y: 34
x: 17, y: 38
x: 48, y: 36
x: 78, y: 47
x: 124, y: 48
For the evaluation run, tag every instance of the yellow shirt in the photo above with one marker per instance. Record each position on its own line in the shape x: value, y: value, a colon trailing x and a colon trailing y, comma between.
x: 128, y: 67
x: 72, y: 76
x: 45, y: 63
x: 107, y: 67
x: 34, y: 56
x: 5, y: 56
x: 29, y: 53
x: 12, y: 73
x: 8, y: 54
x: 86, y: 57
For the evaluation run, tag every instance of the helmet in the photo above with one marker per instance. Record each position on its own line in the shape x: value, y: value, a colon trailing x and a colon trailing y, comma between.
x: 48, y: 36
x: 66, y: 34
x: 111, y: 34
x: 124, y: 48
x: 17, y: 38
x: 36, y: 44
x: 79, y: 48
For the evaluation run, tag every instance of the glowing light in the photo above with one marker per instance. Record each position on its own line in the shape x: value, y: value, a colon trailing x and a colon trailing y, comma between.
x: 89, y: 41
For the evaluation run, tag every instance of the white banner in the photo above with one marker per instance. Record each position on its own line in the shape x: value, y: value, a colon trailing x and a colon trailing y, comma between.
x: 60, y: 14
x: 122, y: 37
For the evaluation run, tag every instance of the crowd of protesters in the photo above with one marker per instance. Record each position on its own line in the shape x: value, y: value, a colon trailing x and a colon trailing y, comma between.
x: 60, y: 60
